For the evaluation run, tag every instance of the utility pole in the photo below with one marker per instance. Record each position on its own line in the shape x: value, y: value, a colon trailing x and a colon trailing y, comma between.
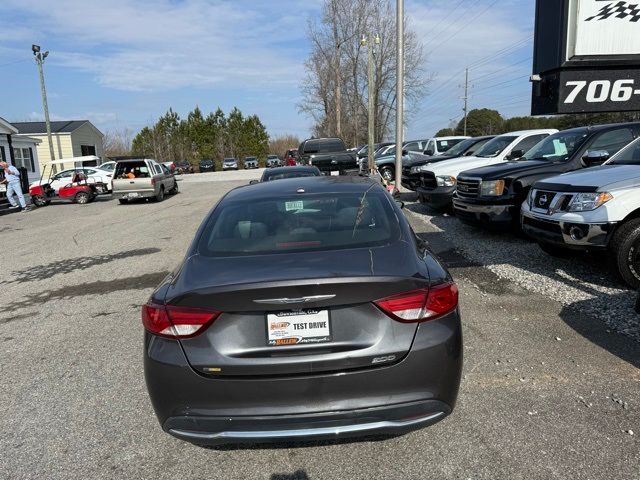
x: 466, y: 98
x: 39, y: 61
x: 370, y: 42
x: 399, y: 90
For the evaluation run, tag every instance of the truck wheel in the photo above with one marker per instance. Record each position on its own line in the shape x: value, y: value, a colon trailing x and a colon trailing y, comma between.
x: 82, y: 198
x: 123, y: 201
x: 387, y: 174
x: 625, y: 246
x: 556, y: 250
x: 175, y: 189
x: 160, y: 195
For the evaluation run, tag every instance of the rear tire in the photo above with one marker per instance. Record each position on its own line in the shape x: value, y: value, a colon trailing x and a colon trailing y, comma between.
x: 160, y: 195
x: 556, y: 250
x: 175, y: 189
x: 123, y: 201
x: 82, y: 198
x: 625, y: 247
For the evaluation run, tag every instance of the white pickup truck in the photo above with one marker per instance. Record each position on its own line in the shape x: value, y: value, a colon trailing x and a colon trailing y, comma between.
x: 592, y: 209
x: 142, y: 179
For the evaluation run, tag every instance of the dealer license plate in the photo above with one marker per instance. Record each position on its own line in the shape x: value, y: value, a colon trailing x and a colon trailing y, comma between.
x: 298, y: 328
x: 133, y: 195
x: 335, y: 173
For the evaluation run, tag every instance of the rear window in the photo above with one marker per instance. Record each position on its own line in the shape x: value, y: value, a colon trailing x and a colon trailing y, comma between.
x: 290, y: 174
x: 286, y: 224
x: 323, y: 146
x: 139, y: 170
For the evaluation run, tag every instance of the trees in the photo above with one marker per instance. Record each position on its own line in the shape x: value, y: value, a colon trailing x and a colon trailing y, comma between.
x: 117, y: 142
x: 445, y: 132
x: 279, y: 145
x: 334, y: 88
x: 198, y: 137
x: 481, y: 122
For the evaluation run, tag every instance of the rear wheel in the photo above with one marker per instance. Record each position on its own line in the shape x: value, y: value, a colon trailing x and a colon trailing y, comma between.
x: 82, y: 198
x: 555, y: 250
x: 123, y: 201
x: 387, y: 173
x: 175, y: 189
x: 160, y: 195
x: 625, y: 246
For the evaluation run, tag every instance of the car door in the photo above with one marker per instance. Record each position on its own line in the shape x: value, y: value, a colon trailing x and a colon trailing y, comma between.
x: 611, y: 141
x: 158, y: 175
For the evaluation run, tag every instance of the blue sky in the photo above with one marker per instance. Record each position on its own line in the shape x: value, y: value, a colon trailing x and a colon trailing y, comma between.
x: 122, y: 63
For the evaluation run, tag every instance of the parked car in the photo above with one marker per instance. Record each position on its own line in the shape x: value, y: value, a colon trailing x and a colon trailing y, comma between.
x: 273, y: 161
x: 206, y: 165
x: 329, y: 155
x: 73, y: 185
x: 279, y: 173
x: 295, y: 287
x: 440, y: 145
x: 382, y: 147
x: 493, y: 195
x: 250, y: 162
x: 170, y: 165
x: 592, y: 209
x: 387, y: 165
x: 291, y: 158
x: 438, y: 184
x: 412, y: 169
x: 229, y: 164
x: 183, y: 167
x: 142, y: 178
x: 107, y: 166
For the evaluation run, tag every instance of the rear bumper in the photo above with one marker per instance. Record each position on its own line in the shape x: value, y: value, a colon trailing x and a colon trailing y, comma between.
x: 578, y: 236
x: 134, y: 195
x: 437, y: 198
x: 490, y: 215
x: 419, y: 390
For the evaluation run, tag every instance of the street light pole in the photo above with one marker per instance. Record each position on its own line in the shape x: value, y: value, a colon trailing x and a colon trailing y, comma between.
x: 371, y: 89
x: 39, y: 61
x: 399, y: 90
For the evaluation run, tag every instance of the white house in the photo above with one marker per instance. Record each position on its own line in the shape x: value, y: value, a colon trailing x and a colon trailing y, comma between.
x: 20, y: 151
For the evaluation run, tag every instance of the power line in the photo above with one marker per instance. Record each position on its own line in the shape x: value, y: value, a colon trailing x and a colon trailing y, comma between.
x: 447, y: 16
x: 502, y: 83
x: 503, y: 69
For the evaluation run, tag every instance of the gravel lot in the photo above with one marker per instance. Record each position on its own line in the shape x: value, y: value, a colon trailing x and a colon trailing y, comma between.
x: 549, y: 390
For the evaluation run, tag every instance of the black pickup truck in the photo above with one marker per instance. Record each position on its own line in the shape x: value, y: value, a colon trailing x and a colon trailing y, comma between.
x: 329, y: 155
x: 492, y: 195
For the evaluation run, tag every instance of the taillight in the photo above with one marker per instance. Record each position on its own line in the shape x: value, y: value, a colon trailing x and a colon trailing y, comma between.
x: 153, y: 182
x: 421, y: 305
x: 176, y: 322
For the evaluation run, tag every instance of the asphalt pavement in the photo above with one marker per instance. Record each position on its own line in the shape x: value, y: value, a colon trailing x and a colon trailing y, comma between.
x: 547, y: 392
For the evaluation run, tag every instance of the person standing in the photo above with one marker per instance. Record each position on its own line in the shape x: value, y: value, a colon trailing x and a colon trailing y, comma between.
x: 12, y: 179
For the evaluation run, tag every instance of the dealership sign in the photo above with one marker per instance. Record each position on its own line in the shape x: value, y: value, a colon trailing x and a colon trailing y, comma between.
x: 586, y: 56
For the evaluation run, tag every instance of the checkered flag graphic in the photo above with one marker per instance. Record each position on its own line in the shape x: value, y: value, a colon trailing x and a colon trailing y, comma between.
x: 618, y: 10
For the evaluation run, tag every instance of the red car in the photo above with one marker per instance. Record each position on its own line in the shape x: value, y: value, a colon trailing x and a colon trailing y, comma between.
x: 291, y: 158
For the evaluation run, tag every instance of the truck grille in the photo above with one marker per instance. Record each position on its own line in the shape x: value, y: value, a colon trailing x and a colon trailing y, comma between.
x: 428, y: 181
x: 467, y: 188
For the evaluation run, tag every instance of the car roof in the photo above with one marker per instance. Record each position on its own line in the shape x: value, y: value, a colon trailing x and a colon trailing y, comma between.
x: 321, y: 184
x: 604, y: 126
x: 529, y: 132
x: 297, y: 168
x: 451, y: 137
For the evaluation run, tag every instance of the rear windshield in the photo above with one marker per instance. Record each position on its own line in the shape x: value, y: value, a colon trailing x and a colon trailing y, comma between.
x: 138, y: 169
x: 286, y: 224
x: 630, y: 155
x: 290, y: 174
x: 323, y: 146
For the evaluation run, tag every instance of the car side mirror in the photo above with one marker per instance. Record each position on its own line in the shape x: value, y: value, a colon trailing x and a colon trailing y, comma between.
x: 253, y: 182
x: 595, y: 157
x: 515, y: 154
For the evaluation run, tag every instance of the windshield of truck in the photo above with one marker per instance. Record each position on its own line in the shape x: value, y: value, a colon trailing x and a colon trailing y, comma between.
x: 630, y: 155
x: 461, y: 146
x: 558, y: 147
x: 496, y: 146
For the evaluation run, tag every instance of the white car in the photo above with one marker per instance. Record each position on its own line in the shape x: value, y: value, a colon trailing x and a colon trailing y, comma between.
x: 596, y: 208
x: 94, y: 175
x: 439, y: 145
x: 438, y: 180
x: 108, y: 166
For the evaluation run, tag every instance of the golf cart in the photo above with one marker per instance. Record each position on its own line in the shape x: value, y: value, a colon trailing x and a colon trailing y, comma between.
x: 74, y: 186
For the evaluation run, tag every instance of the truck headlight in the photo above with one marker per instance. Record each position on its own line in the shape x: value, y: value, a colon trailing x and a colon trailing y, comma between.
x: 446, y: 181
x: 493, y: 188
x: 530, y: 198
x: 583, y: 202
x: 420, y: 168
